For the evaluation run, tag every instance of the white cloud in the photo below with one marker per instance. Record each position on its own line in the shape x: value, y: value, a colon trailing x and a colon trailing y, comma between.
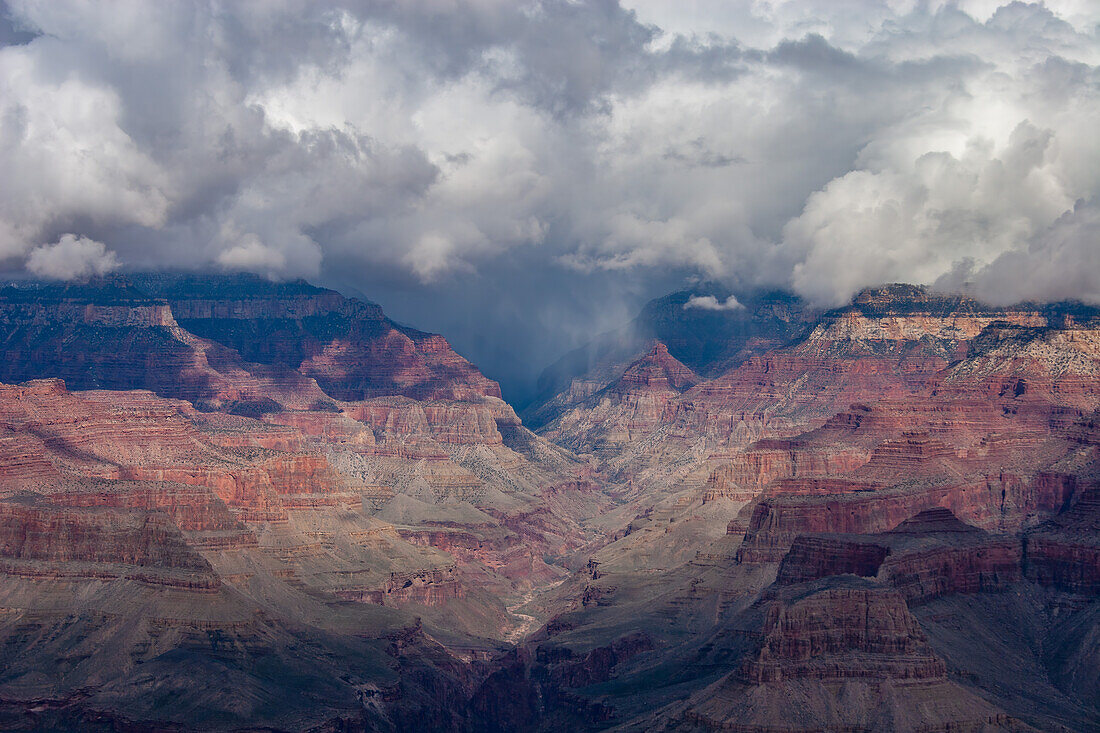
x: 1060, y: 259
x: 70, y: 258
x: 252, y: 255
x: 823, y: 145
x: 63, y: 135
x: 929, y: 196
x: 711, y: 303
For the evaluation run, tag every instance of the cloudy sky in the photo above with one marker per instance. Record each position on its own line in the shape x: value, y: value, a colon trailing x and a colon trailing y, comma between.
x: 520, y: 174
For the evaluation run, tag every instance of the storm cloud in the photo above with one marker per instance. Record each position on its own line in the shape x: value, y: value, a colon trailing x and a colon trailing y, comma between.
x: 543, y: 167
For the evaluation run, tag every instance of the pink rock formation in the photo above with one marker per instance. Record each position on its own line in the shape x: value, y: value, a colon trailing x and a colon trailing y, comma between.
x: 43, y: 541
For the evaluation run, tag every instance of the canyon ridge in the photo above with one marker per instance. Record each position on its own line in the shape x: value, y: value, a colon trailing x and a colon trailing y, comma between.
x: 234, y: 504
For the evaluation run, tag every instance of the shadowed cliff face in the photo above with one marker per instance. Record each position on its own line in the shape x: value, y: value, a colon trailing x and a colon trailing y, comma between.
x: 216, y: 338
x: 256, y: 504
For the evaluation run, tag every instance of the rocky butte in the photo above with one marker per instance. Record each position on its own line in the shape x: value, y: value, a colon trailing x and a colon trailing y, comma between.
x: 233, y: 504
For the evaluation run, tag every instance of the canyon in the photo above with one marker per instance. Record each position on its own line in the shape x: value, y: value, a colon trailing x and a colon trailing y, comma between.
x: 234, y: 504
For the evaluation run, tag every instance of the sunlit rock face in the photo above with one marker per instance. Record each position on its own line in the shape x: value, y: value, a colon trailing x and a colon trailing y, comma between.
x: 941, y: 451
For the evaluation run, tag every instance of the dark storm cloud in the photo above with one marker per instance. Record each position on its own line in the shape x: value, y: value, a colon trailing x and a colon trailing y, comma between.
x: 11, y: 33
x: 533, y: 170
